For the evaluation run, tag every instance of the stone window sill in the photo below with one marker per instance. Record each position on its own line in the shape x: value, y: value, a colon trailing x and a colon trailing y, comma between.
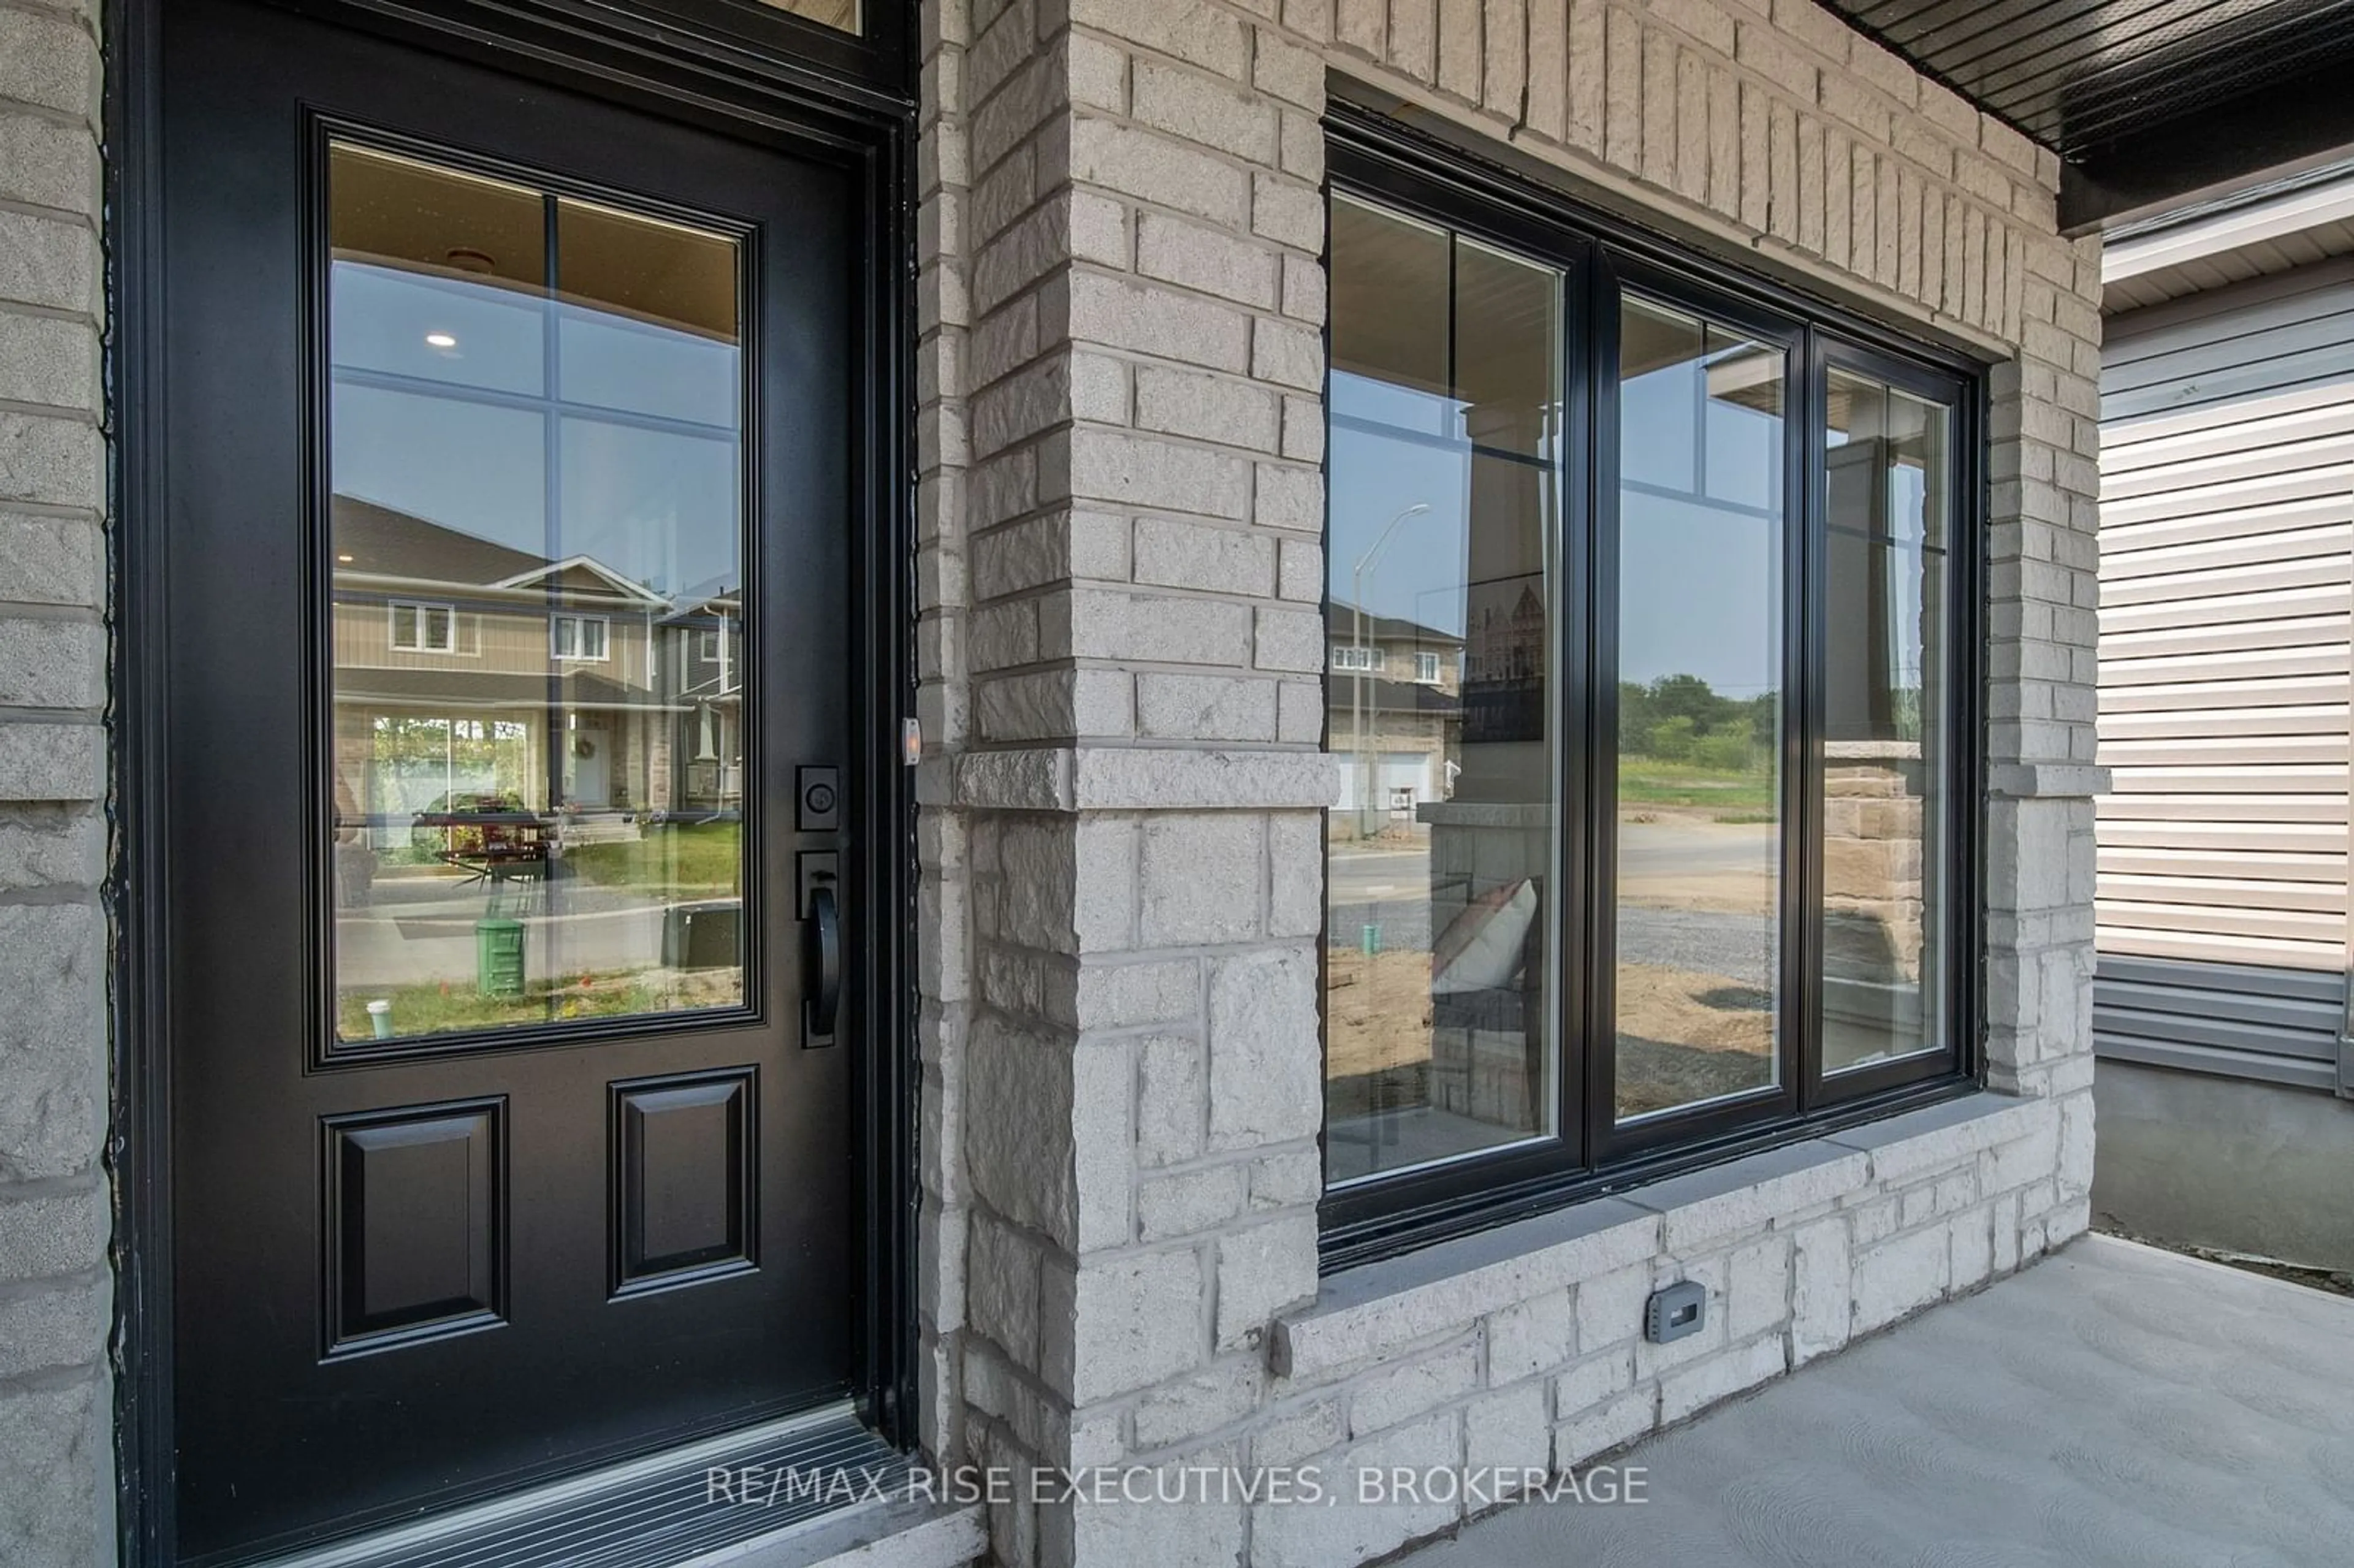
x: 1362, y: 1311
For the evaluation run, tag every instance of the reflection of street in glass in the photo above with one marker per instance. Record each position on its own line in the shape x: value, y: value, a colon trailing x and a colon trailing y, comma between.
x: 540, y: 663
x: 599, y: 936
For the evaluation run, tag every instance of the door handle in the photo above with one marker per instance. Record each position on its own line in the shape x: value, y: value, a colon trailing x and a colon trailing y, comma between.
x: 822, y: 965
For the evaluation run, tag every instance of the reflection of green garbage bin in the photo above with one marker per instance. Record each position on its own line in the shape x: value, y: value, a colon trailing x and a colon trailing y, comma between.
x: 498, y: 957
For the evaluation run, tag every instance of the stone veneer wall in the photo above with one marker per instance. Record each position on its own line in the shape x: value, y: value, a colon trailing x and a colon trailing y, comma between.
x: 1120, y: 571
x: 57, y: 1490
x: 1122, y: 508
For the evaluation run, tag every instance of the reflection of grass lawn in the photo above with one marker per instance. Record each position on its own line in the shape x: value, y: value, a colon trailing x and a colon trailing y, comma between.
x: 446, y: 1007
x: 676, y: 859
x: 1732, y: 797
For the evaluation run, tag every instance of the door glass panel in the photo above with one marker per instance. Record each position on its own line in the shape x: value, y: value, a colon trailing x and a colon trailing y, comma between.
x: 1885, y: 795
x: 1700, y: 536
x: 1443, y: 538
x: 535, y: 452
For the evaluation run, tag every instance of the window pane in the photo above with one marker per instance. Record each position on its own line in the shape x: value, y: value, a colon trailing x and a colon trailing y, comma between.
x: 1701, y: 539
x: 1884, y: 806
x: 1445, y: 432
x: 536, y: 455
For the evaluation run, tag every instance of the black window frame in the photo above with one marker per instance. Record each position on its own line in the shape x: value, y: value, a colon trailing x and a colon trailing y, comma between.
x: 1373, y: 158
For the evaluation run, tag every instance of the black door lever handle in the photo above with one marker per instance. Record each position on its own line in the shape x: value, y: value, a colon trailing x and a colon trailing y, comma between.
x: 821, y: 962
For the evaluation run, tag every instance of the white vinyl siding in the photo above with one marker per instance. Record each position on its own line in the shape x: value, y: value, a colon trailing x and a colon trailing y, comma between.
x: 2227, y: 611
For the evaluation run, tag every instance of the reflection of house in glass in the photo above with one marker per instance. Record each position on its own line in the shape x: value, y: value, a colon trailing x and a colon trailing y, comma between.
x: 1504, y: 661
x: 1396, y: 697
x: 458, y: 660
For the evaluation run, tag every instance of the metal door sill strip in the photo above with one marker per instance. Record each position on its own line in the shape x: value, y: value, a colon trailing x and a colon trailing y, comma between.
x: 660, y: 1511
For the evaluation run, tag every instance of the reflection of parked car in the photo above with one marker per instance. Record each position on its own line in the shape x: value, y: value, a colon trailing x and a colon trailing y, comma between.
x: 489, y: 834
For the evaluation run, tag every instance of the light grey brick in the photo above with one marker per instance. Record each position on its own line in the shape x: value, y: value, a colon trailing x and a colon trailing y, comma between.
x: 1190, y: 1202
x: 1613, y: 1423
x: 1899, y: 1275
x: 1129, y: 1320
x: 1508, y: 1432
x: 1144, y: 319
x: 1193, y: 30
x: 53, y: 1068
x: 1200, y: 879
x: 47, y: 361
x: 48, y: 60
x: 1204, y: 708
x: 1172, y: 1094
x: 1721, y: 1376
x: 59, y: 1228
x: 1173, y: 554
x: 1140, y: 471
x: 1284, y: 1535
x: 51, y: 761
x: 50, y: 560
x: 55, y: 1448
x: 1212, y: 260
x: 1289, y: 355
x: 1530, y: 1336
x: 1290, y: 640
x: 50, y: 460
x: 1154, y: 168
x: 62, y: 1323
x: 44, y: 846
x: 1219, y: 1394
x: 1266, y: 1065
x: 1204, y: 110
x: 49, y: 664
x: 1151, y: 629
x: 1819, y: 1291
x: 1397, y: 1393
x: 1233, y: 413
x: 47, y: 261
x: 1262, y: 1271
x: 1287, y: 210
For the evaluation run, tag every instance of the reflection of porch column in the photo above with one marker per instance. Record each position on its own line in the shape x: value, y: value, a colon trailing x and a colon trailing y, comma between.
x: 1872, y: 822
x: 1487, y: 1046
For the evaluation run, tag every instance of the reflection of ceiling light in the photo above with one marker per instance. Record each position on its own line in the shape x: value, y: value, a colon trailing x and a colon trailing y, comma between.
x: 440, y: 340
x: 345, y: 559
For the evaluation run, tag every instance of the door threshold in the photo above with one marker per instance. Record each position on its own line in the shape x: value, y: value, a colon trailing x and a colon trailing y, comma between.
x: 663, y: 1510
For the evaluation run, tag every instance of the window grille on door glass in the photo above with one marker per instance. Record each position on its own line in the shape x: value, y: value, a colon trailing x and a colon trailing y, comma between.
x: 535, y: 416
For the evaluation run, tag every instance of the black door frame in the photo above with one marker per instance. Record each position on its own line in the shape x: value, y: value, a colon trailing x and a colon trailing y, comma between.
x: 731, y: 65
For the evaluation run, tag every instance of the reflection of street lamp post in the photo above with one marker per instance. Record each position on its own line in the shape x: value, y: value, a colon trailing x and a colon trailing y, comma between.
x: 1357, y: 640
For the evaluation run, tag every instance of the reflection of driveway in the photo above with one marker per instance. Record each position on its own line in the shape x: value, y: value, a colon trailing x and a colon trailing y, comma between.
x: 1739, y: 948
x: 1696, y: 895
x: 1388, y: 888
x: 422, y: 930
x: 1691, y: 863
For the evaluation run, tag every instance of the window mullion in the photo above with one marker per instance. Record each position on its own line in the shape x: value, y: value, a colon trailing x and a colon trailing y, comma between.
x: 1809, y: 640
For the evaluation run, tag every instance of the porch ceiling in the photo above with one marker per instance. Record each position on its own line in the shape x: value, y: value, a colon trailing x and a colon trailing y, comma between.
x: 2146, y: 101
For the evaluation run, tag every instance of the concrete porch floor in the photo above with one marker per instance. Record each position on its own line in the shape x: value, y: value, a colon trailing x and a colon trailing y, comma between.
x: 2112, y: 1405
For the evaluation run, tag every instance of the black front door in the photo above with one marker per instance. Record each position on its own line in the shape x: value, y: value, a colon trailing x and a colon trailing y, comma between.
x: 508, y: 527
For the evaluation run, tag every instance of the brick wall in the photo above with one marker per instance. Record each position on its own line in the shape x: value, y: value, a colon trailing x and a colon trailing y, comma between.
x: 1119, y: 569
x: 57, y: 1495
x: 1123, y: 515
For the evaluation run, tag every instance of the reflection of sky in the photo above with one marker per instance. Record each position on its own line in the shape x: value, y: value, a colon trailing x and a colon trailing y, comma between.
x: 1700, y: 566
x: 1701, y: 576
x: 1699, y: 594
x: 1374, y: 475
x: 650, y: 493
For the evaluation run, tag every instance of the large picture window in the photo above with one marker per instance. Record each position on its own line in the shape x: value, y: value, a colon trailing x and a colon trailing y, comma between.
x: 1645, y: 613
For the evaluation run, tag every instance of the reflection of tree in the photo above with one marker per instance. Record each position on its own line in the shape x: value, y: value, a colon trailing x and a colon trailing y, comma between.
x: 1680, y: 718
